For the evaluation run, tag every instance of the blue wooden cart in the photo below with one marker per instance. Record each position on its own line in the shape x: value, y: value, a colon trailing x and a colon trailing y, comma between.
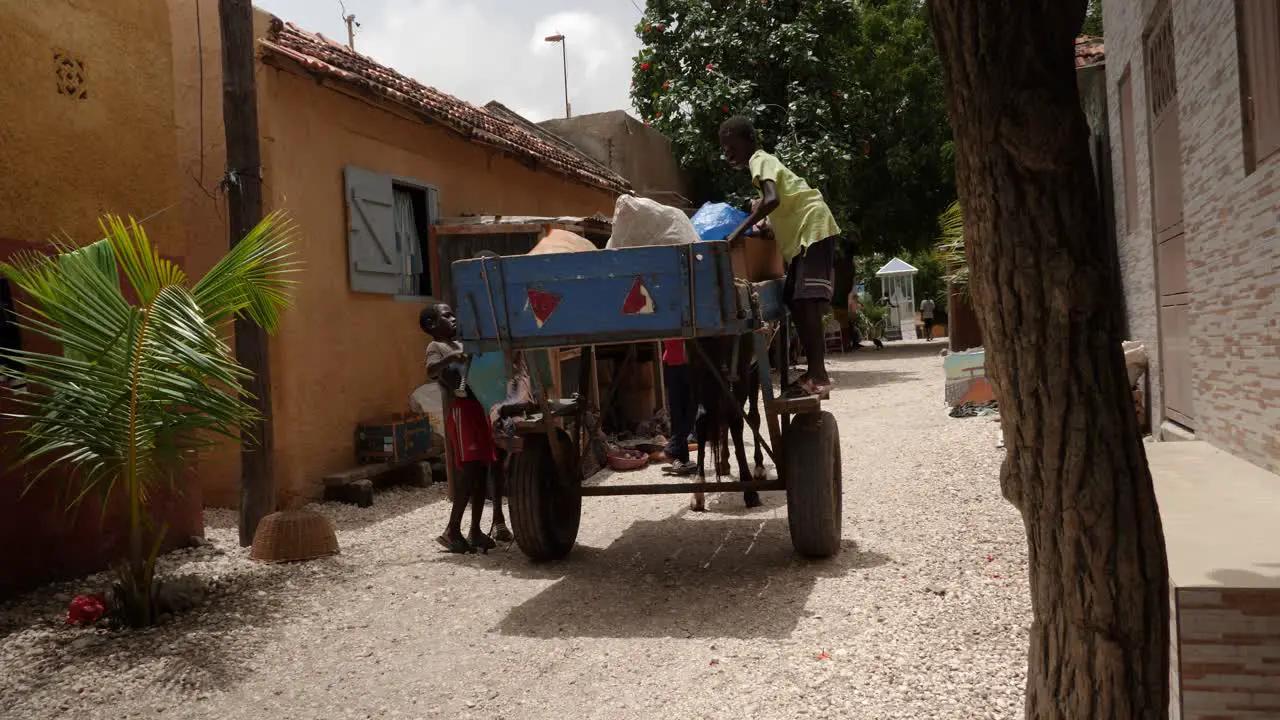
x: 526, y: 302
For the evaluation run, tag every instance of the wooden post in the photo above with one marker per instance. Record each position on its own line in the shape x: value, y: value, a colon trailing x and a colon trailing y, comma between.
x: 243, y: 182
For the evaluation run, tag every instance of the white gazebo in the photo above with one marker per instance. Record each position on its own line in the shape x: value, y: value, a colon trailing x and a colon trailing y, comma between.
x: 898, y: 283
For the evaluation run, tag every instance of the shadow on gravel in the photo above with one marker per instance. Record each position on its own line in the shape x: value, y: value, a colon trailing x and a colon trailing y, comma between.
x: 708, y: 576
x: 188, y: 656
x: 388, y: 504
x: 855, y: 379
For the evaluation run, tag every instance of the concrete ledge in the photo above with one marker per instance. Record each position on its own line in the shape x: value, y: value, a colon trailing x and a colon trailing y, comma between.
x: 1223, y: 541
x: 1221, y: 516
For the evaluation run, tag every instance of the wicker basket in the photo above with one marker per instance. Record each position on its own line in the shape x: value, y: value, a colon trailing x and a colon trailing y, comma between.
x: 292, y: 535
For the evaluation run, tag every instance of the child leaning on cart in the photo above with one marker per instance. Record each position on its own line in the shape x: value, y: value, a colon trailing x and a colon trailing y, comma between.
x: 466, y: 425
x: 807, y: 234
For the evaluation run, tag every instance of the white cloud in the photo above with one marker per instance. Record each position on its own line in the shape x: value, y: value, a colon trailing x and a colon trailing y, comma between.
x: 481, y: 50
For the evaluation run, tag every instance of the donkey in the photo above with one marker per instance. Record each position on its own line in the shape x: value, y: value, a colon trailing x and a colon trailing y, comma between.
x: 718, y: 362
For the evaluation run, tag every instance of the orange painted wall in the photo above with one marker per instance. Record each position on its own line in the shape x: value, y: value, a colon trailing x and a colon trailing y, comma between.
x: 340, y: 357
x: 67, y: 160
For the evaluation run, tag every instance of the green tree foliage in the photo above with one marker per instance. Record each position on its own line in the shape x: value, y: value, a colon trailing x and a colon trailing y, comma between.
x: 847, y: 94
x: 1093, y: 20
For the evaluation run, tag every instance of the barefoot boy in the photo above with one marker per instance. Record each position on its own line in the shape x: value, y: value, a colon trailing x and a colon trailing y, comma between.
x: 467, y: 429
x: 806, y: 232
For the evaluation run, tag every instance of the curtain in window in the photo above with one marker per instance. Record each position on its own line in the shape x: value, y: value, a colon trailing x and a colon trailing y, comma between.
x: 408, y: 241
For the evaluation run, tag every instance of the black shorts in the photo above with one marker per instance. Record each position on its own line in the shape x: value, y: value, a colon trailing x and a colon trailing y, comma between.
x: 811, y: 275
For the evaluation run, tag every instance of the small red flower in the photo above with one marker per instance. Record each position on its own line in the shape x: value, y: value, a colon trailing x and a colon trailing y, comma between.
x: 823, y: 655
x: 711, y: 66
x: 991, y: 558
x: 658, y: 114
x: 714, y: 662
x: 646, y: 123
x: 666, y: 85
x: 660, y: 28
x: 644, y: 66
x: 86, y: 609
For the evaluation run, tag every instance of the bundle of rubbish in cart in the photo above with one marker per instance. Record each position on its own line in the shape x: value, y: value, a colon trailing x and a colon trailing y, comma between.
x: 641, y: 222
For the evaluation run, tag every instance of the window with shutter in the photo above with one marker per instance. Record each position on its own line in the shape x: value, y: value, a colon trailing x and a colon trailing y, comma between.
x: 1258, y: 29
x: 374, y: 260
x: 388, y: 219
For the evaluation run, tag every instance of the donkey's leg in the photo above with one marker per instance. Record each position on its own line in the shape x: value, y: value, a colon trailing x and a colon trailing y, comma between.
x: 699, y: 501
x: 753, y: 420
x: 750, y: 497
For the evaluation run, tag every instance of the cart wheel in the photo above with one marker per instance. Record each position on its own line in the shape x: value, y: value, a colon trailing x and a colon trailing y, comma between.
x: 544, y: 512
x: 815, y: 491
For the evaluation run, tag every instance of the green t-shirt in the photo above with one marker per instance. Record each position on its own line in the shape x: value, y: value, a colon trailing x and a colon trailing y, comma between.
x: 802, y: 217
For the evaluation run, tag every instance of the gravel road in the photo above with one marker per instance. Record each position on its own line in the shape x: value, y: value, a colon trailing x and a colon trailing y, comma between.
x: 658, y: 613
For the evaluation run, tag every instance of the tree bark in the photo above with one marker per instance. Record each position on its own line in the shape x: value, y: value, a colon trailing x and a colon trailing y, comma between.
x: 1048, y: 305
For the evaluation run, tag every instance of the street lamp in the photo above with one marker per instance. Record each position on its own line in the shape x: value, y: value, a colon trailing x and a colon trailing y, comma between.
x: 564, y: 56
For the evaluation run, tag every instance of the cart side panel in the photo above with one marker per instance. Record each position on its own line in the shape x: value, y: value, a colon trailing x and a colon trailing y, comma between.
x: 625, y: 295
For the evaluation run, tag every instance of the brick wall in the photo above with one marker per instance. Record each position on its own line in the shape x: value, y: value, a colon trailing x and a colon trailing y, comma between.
x: 1229, y: 653
x: 1124, y: 24
x: 1233, y: 252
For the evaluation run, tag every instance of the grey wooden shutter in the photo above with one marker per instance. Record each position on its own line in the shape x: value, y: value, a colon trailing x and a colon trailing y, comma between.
x: 433, y: 217
x: 373, y: 259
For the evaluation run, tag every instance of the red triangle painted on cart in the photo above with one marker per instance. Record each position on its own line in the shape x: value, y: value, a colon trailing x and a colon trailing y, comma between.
x: 639, y: 301
x: 543, y: 304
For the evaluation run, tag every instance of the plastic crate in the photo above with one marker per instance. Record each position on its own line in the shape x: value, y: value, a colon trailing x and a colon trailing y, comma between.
x: 393, y: 439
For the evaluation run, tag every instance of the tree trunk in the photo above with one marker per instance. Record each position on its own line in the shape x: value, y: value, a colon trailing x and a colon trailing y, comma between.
x: 1048, y: 305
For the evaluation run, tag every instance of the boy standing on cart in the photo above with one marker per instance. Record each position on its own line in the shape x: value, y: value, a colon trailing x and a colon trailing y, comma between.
x: 807, y: 234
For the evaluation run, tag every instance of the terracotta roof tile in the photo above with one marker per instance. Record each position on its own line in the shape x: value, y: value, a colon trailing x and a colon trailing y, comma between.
x: 323, y: 56
x: 1089, y: 51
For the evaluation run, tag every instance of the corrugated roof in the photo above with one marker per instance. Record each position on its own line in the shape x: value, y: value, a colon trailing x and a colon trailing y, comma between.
x: 323, y: 56
x: 1090, y: 51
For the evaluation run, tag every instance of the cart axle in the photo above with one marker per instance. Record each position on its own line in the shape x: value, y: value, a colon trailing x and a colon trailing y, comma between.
x: 679, y: 488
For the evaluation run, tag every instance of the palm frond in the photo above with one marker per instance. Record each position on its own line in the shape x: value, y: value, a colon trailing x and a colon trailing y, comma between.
x: 254, y: 279
x: 949, y: 249
x: 136, y: 388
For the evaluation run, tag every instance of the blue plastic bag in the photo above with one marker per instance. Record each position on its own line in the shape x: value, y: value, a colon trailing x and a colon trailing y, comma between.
x: 715, y: 221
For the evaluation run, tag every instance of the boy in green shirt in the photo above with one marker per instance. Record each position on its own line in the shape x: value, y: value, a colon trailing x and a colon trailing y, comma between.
x: 806, y: 233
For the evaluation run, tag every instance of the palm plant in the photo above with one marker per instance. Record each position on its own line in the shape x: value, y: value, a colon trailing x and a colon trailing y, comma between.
x: 144, y: 380
x: 872, y: 318
x: 949, y: 248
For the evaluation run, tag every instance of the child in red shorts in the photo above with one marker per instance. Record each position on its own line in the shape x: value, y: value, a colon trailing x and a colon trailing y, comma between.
x: 467, y: 429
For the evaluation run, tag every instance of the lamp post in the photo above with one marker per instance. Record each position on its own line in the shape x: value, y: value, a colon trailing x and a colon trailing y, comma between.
x: 564, y: 56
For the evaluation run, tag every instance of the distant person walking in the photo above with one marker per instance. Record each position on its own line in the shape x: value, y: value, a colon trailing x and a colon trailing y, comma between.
x: 855, y: 306
x: 926, y: 314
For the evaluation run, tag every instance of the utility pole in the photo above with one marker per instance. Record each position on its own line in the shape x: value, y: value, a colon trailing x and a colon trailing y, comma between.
x: 352, y: 24
x: 564, y: 57
x: 243, y: 182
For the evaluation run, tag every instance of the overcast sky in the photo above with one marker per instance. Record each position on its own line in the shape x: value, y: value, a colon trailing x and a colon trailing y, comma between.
x: 482, y: 50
